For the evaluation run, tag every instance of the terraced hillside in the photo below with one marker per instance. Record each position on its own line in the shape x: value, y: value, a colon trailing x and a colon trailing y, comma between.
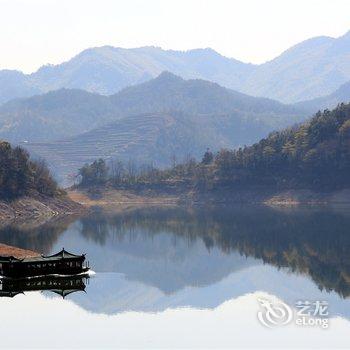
x: 146, y: 138
x: 135, y: 137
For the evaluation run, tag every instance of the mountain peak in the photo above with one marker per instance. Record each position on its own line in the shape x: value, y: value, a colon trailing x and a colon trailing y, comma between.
x: 166, y: 75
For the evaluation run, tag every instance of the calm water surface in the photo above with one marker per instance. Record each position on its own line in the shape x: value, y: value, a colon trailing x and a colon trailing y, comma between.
x: 187, y: 278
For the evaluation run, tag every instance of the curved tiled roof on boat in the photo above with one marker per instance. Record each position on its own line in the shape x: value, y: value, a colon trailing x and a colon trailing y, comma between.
x: 63, y: 254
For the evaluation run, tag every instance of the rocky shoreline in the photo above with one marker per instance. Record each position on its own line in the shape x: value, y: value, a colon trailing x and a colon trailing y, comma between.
x: 7, y: 250
x: 39, y: 208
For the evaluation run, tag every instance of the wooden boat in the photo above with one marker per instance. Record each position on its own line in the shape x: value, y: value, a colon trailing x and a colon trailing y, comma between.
x: 62, y: 263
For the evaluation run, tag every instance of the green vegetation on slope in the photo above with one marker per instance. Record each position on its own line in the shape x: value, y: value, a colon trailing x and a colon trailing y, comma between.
x: 20, y: 176
x: 315, y: 154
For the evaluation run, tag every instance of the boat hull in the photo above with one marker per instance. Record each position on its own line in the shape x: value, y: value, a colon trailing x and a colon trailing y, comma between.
x: 20, y: 274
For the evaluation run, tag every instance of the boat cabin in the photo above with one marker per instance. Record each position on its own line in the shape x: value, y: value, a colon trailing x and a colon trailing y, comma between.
x: 62, y: 263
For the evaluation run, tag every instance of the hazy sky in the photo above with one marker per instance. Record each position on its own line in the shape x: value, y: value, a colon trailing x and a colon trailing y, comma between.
x: 37, y: 32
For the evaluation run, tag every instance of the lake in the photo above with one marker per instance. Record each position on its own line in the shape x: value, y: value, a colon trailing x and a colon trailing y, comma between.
x: 174, y: 277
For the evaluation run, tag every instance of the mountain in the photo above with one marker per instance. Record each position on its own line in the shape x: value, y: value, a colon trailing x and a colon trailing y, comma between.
x: 149, y: 122
x: 170, y: 92
x: 53, y: 115
x: 106, y: 70
x: 149, y: 138
x: 66, y: 113
x: 341, y: 95
x: 311, y: 69
x: 15, y: 84
x: 312, y: 156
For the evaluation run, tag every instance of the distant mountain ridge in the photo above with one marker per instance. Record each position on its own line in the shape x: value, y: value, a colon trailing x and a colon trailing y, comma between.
x: 67, y: 113
x: 311, y: 69
x: 54, y: 115
x: 107, y: 70
x: 341, y: 95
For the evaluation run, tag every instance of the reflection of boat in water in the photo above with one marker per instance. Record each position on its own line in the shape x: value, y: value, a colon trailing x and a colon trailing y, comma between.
x: 62, y: 263
x: 62, y: 285
x: 62, y: 273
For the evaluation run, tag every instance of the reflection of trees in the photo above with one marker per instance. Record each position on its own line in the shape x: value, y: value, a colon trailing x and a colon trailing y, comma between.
x: 38, y: 238
x: 311, y: 241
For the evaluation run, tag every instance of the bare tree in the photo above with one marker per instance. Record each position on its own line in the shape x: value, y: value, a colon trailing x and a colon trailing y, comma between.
x: 132, y: 171
x: 117, y: 171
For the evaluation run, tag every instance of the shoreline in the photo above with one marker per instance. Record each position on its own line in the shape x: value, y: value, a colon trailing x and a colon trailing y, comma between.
x: 37, y: 209
x: 79, y: 201
x: 107, y: 197
x: 19, y: 253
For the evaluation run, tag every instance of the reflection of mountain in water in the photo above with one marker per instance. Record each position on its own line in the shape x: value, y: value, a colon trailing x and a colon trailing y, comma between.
x: 112, y: 293
x: 200, y: 246
x: 174, y: 248
x: 163, y: 260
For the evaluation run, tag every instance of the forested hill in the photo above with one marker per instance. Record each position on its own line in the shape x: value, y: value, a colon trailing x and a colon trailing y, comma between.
x: 313, y: 155
x: 20, y: 176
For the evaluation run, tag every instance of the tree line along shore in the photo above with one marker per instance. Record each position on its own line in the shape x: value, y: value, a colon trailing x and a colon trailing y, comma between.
x: 313, y: 156
x: 309, y: 162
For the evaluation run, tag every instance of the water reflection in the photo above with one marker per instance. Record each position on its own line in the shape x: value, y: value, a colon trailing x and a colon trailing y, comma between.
x: 161, y: 254
x: 40, y: 237
x: 180, y: 269
x: 62, y: 286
